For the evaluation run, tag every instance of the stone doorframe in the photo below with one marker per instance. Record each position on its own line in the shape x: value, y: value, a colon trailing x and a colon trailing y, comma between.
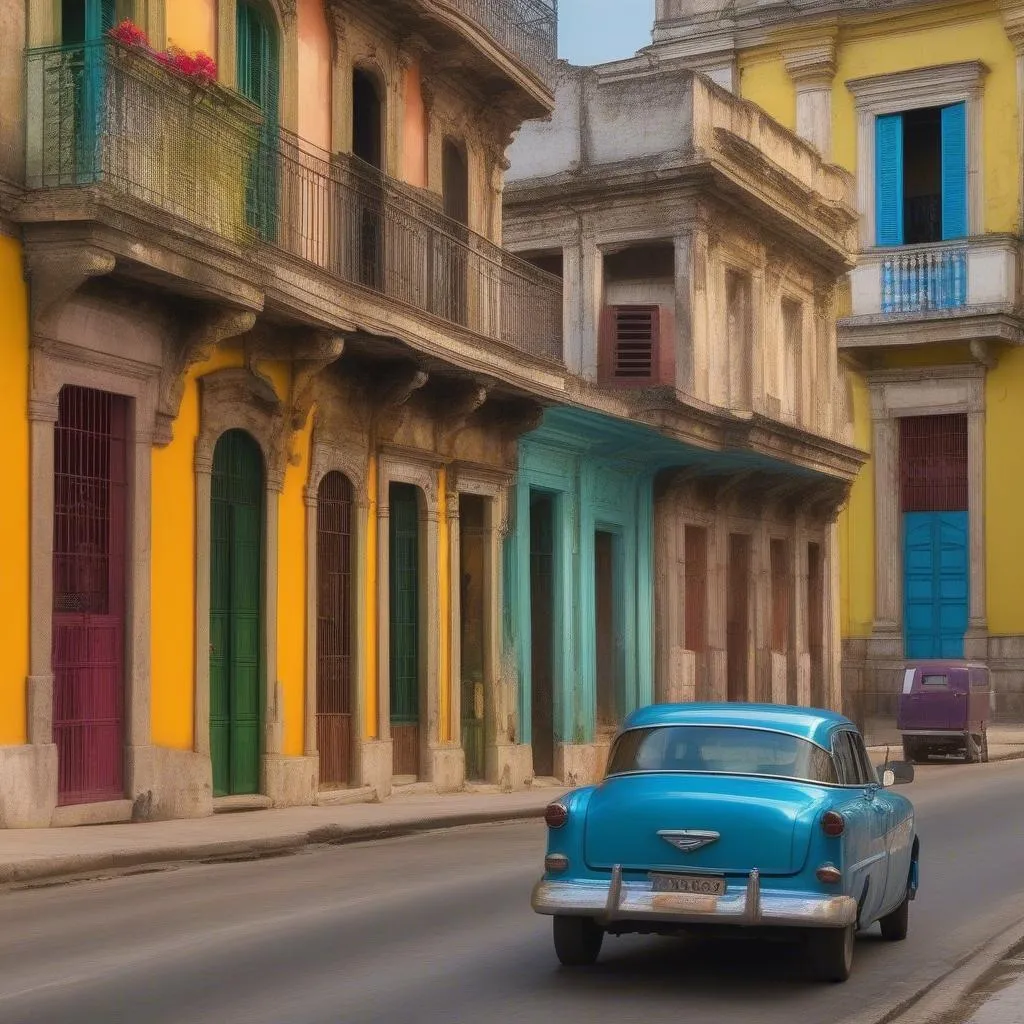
x: 237, y: 399
x: 349, y: 459
x: 931, y: 391
x: 398, y: 465
x: 493, y: 487
x: 53, y: 366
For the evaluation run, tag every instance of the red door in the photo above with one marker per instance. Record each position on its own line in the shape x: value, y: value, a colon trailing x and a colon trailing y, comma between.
x: 90, y: 487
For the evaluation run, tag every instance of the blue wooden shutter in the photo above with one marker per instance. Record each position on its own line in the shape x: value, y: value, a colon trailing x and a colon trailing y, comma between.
x: 889, y: 180
x: 954, y: 171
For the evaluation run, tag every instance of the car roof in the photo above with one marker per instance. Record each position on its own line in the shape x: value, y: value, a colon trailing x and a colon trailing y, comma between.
x: 813, y: 724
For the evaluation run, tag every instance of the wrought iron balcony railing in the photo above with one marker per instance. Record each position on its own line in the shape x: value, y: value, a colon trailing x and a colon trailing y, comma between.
x: 115, y: 120
x: 527, y: 29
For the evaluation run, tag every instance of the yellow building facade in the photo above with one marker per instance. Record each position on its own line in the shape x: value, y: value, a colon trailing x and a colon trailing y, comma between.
x: 922, y: 103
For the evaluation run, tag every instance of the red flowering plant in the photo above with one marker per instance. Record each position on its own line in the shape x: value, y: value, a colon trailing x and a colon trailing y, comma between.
x: 129, y: 34
x: 200, y: 67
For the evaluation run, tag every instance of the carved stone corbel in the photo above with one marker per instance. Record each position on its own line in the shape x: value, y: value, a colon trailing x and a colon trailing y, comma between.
x: 722, y: 489
x: 319, y: 350
x: 982, y: 354
x: 192, y: 340
x: 55, y: 275
x: 455, y: 412
x: 391, y: 395
x: 517, y: 419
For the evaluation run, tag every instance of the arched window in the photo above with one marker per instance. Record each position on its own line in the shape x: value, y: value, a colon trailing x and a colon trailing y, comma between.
x: 367, y: 118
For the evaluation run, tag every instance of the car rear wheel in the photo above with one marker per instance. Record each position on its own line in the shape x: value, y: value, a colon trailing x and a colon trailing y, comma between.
x: 577, y: 941
x: 896, y: 924
x: 831, y: 952
x: 972, y: 750
x: 910, y: 751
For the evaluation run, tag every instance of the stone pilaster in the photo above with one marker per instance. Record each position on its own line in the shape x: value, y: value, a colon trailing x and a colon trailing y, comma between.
x: 812, y: 68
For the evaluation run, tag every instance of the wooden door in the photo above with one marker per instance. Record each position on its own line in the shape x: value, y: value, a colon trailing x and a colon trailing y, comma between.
x: 334, y: 630
x: 236, y: 620
x: 89, y: 577
x: 405, y: 630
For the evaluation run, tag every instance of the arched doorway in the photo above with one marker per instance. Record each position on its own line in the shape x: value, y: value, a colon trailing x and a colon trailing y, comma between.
x: 236, y: 613
x: 258, y: 70
x: 368, y: 148
x: 404, y: 629
x: 90, y: 487
x: 334, y: 537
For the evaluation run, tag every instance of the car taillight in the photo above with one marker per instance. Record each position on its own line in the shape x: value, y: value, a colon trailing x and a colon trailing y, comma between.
x: 833, y: 823
x: 556, y: 815
x: 556, y: 862
x: 829, y: 874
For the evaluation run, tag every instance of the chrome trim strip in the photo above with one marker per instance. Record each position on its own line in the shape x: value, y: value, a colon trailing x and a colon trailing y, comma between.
x: 636, y: 901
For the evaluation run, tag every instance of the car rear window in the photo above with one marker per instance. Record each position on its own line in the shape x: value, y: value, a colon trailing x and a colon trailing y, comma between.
x: 933, y: 680
x: 720, y: 750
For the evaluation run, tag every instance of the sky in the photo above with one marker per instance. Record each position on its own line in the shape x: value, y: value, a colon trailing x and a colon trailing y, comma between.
x: 596, y: 31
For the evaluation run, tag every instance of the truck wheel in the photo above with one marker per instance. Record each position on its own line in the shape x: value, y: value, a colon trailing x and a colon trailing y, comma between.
x: 984, y: 745
x: 831, y: 952
x: 909, y: 750
x: 896, y: 924
x: 577, y: 941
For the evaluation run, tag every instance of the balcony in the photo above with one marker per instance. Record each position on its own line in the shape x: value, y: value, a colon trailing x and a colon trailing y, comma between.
x: 160, y: 163
x: 937, y: 293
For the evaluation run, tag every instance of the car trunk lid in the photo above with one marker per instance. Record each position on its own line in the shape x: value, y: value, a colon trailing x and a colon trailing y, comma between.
x: 646, y: 822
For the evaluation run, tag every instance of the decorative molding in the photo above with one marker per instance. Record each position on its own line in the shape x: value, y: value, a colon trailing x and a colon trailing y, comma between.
x: 191, y: 340
x: 812, y: 64
x: 56, y: 274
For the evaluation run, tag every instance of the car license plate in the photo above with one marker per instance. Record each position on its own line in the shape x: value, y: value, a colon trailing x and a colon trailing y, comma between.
x: 694, y: 885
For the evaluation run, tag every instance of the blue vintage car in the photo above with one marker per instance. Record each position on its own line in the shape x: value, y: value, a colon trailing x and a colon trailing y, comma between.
x: 742, y: 816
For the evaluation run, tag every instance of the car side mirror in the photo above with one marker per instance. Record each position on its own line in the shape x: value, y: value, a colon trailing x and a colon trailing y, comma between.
x: 895, y: 773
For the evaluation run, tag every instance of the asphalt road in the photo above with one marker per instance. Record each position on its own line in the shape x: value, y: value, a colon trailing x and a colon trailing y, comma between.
x: 437, y: 929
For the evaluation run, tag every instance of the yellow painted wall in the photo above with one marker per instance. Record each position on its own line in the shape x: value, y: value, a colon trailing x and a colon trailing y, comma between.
x: 1004, y: 493
x: 877, y: 46
x: 173, y: 589
x: 14, y: 509
x: 192, y: 25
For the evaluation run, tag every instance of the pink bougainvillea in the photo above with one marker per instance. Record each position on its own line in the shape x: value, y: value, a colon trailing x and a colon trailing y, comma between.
x: 200, y: 67
x: 129, y: 34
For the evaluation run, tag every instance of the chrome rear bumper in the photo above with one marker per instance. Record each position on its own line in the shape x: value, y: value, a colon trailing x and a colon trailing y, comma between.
x: 618, y: 900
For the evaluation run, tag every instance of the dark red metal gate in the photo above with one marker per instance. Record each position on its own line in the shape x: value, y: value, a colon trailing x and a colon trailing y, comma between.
x: 334, y: 630
x: 89, y: 520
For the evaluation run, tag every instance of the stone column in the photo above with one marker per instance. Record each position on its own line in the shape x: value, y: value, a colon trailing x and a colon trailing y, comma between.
x: 43, y: 416
x: 454, y: 618
x: 761, y: 606
x: 888, y: 564
x: 831, y: 641
x: 204, y: 485
x: 309, y: 744
x: 812, y: 68
x: 685, y: 379
x: 718, y: 623
x: 591, y: 304
x: 435, y: 769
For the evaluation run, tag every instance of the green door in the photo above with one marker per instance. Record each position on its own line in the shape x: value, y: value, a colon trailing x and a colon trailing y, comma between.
x: 236, y: 628
x: 404, y: 629
x: 258, y: 82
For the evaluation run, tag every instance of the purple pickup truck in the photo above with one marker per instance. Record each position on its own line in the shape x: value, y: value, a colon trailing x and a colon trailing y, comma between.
x: 944, y: 708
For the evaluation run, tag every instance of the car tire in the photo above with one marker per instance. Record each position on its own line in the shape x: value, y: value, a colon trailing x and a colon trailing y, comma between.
x: 831, y: 952
x: 910, y: 751
x: 896, y: 924
x: 577, y: 941
x: 972, y: 752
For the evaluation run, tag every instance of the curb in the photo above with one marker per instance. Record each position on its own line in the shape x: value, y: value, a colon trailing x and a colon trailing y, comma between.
x: 936, y: 1000
x: 81, y: 867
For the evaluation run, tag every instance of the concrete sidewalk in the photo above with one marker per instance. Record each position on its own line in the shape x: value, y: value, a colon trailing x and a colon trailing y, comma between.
x: 32, y: 855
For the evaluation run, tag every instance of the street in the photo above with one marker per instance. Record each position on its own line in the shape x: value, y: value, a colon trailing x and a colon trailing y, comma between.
x: 437, y: 929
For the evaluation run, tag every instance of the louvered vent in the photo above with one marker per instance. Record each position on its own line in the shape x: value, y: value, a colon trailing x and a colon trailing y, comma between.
x: 631, y: 343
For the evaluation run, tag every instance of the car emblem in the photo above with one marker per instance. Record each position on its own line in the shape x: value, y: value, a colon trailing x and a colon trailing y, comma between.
x: 689, y: 839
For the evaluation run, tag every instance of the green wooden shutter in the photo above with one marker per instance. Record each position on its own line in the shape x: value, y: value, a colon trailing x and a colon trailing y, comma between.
x: 954, y: 171
x: 889, y: 180
x: 404, y: 603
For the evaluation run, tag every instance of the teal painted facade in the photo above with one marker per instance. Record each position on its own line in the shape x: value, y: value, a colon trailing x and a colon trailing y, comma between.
x: 590, y: 492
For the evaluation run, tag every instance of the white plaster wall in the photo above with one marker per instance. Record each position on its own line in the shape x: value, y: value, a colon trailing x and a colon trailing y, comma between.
x: 640, y: 293
x: 545, y: 148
